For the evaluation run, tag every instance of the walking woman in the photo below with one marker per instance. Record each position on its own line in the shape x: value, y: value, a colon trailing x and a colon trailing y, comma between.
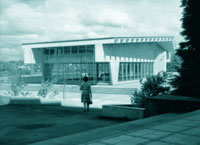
x: 86, y: 95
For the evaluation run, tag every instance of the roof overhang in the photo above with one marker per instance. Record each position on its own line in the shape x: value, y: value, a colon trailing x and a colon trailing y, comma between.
x: 166, y: 42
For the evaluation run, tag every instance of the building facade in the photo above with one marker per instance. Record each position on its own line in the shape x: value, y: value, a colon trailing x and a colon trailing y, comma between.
x: 110, y: 60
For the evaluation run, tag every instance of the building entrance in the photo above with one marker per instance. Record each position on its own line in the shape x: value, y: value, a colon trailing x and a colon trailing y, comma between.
x: 103, y: 72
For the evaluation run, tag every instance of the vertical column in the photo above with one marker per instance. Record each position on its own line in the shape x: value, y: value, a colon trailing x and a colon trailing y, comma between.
x: 126, y: 70
x: 139, y: 70
x: 122, y: 71
x: 131, y: 71
x: 146, y: 69
x: 114, y: 72
x: 151, y: 68
x: 56, y: 62
x: 142, y: 69
x: 135, y: 72
x: 126, y: 64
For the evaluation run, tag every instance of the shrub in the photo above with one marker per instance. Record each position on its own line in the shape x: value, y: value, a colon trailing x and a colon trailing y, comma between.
x: 16, y: 80
x: 137, y: 99
x: 155, y: 85
x: 47, y: 90
x: 152, y: 86
x: 17, y: 86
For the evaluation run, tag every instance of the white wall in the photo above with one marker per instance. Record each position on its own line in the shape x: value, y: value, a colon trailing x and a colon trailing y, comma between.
x: 99, y: 53
x: 138, y: 52
x: 114, y: 71
x: 129, y: 52
x: 28, y: 55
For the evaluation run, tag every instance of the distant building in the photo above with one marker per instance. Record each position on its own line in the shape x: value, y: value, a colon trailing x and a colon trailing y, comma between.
x: 110, y: 60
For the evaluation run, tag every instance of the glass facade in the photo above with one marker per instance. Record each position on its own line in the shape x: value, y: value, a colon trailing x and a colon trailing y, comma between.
x: 65, y: 54
x: 134, y: 70
x: 70, y: 64
x: 73, y: 73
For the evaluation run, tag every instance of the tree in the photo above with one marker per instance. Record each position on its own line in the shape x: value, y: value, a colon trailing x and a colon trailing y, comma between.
x: 188, y: 82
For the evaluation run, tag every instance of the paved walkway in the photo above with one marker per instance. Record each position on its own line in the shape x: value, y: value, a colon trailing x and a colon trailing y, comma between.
x: 102, y: 94
x: 73, y: 99
x: 167, y: 129
x: 123, y: 89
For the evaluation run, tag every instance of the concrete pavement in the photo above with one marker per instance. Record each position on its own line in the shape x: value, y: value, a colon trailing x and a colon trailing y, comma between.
x: 166, y: 129
x: 102, y: 94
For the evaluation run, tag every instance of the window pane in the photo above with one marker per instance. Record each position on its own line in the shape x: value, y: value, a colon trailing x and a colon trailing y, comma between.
x: 136, y: 70
x: 51, y: 51
x: 74, y: 49
x: 82, y: 49
x: 128, y: 71
x: 59, y: 50
x: 90, y: 49
x: 46, y: 51
x: 66, y: 50
x: 139, y: 70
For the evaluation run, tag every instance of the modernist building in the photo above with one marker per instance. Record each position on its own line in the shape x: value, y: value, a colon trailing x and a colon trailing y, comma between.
x: 110, y: 60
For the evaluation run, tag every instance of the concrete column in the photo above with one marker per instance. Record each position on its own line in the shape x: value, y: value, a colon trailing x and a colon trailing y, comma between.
x: 126, y: 66
x: 114, y: 70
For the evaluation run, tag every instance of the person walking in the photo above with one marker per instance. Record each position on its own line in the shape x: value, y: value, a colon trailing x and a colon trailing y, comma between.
x: 86, y: 94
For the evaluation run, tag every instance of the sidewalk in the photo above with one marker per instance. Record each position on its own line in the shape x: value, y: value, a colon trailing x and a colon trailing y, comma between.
x: 176, y: 129
x: 74, y: 99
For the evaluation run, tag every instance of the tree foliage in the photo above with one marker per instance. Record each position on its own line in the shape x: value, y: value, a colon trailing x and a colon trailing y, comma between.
x: 188, y: 82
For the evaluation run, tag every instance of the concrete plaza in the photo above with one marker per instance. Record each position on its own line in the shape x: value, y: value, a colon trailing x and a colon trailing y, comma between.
x: 167, y: 129
x: 102, y: 94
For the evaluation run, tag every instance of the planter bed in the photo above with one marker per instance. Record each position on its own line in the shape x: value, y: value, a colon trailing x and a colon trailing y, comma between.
x: 123, y: 111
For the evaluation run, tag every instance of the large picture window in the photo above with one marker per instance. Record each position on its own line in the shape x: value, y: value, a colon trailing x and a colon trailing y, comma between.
x: 134, y: 70
x: 74, y: 72
x: 63, y: 53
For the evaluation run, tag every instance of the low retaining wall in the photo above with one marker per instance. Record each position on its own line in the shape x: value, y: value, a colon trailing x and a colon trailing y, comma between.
x: 33, y: 101
x: 32, y: 79
x: 169, y: 103
x: 4, y: 100
x: 123, y: 111
x: 25, y: 101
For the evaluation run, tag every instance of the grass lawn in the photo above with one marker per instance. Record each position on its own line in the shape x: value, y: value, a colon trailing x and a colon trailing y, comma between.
x: 24, y: 124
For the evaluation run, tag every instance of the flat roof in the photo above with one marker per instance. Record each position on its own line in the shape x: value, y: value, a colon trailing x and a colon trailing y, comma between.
x: 167, y: 42
x: 105, y: 38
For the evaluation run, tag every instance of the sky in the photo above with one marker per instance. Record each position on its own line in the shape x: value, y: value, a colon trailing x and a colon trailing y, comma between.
x: 23, y: 21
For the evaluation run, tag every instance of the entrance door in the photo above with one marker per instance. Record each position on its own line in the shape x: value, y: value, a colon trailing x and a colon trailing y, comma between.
x: 103, y: 72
